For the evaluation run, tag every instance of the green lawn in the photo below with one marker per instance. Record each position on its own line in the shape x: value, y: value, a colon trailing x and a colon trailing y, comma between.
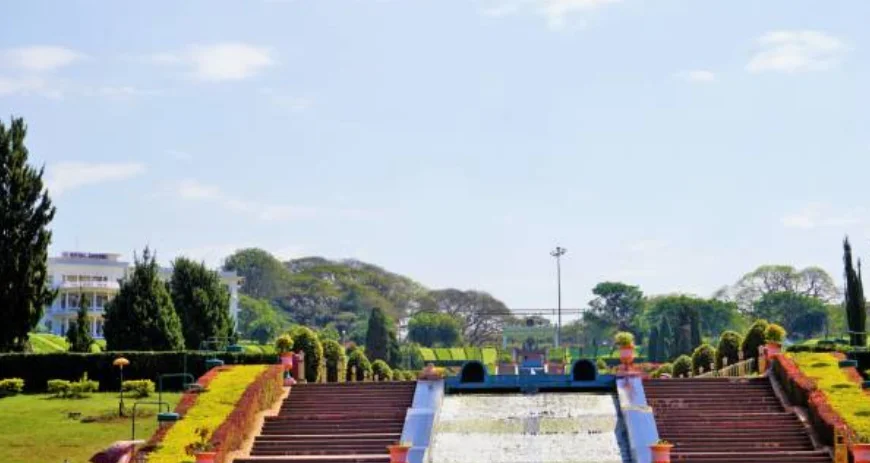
x: 35, y: 428
x: 44, y: 343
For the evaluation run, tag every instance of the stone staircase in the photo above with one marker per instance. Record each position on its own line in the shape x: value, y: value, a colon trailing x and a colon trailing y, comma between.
x: 728, y: 420
x: 335, y: 423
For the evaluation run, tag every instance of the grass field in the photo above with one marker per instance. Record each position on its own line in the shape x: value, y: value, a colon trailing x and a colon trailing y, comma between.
x: 43, y: 343
x: 36, y: 428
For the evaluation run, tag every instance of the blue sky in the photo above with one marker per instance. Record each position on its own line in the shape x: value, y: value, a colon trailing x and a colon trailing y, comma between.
x: 673, y: 144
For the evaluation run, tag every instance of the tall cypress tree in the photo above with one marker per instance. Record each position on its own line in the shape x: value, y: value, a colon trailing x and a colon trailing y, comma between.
x: 141, y: 316
x: 79, y: 334
x: 666, y: 343
x: 653, y: 350
x: 201, y: 301
x: 378, y: 336
x: 856, y: 314
x: 25, y: 213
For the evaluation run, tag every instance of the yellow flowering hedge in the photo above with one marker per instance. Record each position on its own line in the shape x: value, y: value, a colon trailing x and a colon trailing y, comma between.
x: 210, y: 410
x: 842, y: 392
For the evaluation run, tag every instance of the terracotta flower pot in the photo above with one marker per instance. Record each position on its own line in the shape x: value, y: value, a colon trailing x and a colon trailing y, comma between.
x: 399, y: 453
x: 661, y: 453
x: 773, y: 348
x: 861, y: 453
x: 205, y: 457
x: 626, y: 355
x: 287, y: 359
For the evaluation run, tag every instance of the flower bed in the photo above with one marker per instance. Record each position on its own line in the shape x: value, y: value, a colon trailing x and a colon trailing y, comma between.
x: 209, y: 410
x: 187, y: 401
x: 833, y: 394
x: 259, y: 396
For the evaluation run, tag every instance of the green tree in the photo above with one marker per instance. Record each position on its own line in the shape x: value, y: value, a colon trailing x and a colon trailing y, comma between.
x: 381, y: 371
x: 434, y: 329
x: 482, y: 316
x: 201, y: 301
x: 25, y: 214
x: 259, y: 320
x: 617, y: 304
x: 378, y: 336
x: 653, y: 350
x: 682, y: 316
x: 856, y: 305
x: 264, y: 276
x: 359, y: 363
x: 803, y: 316
x: 334, y: 356
x: 702, y: 358
x: 141, y: 316
x: 78, y: 335
x: 811, y: 281
x: 728, y: 349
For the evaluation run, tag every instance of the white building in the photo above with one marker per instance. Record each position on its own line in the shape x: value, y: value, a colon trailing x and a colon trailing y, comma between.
x: 97, y: 276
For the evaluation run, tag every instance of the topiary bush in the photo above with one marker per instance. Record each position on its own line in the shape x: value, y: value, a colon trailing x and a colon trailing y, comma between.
x: 335, y: 360
x: 283, y: 344
x: 682, y: 367
x: 703, y: 356
x: 601, y: 365
x: 728, y: 348
x: 753, y: 339
x: 11, y: 386
x: 357, y: 359
x: 381, y: 371
x: 307, y: 341
x: 774, y: 333
x: 59, y: 387
x: 665, y: 368
x: 623, y: 339
x: 139, y: 387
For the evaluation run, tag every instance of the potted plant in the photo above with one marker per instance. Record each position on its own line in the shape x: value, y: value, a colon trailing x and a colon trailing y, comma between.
x: 203, y: 449
x: 625, y: 342
x: 860, y: 447
x: 774, y: 335
x: 284, y: 346
x: 661, y: 451
x: 556, y: 361
x: 506, y: 363
x: 399, y: 452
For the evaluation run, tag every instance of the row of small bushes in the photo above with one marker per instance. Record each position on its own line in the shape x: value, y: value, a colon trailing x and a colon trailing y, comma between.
x: 65, y: 389
x: 260, y: 395
x: 37, y: 369
x: 11, y: 386
x: 211, y: 409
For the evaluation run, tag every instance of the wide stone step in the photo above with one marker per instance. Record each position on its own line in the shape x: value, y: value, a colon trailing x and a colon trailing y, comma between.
x: 816, y: 456
x: 331, y: 459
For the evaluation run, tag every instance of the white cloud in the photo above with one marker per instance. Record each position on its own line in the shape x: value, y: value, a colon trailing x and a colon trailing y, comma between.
x: 219, y: 62
x: 556, y: 12
x: 820, y: 215
x: 796, y: 51
x: 65, y: 176
x: 697, y: 76
x: 39, y: 58
x: 27, y: 86
x: 192, y: 190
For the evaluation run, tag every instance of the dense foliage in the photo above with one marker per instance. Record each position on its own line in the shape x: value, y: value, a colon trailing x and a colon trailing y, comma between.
x: 856, y: 305
x: 703, y: 358
x: 378, y: 336
x: 335, y: 360
x: 25, y: 214
x: 78, y: 335
x: 141, y: 316
x: 682, y: 367
x: 307, y: 341
x: 434, y: 329
x: 728, y: 350
x: 754, y: 339
x: 801, y: 315
x: 381, y: 371
x: 359, y: 363
x: 259, y: 320
x: 202, y: 303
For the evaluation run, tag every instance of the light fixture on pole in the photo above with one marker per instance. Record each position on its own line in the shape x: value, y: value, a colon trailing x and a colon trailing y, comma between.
x: 558, y: 253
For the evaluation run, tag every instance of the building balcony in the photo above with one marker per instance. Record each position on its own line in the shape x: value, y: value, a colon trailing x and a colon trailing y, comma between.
x: 73, y: 286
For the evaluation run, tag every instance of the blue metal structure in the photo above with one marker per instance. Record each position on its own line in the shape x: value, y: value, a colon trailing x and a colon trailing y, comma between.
x: 584, y: 376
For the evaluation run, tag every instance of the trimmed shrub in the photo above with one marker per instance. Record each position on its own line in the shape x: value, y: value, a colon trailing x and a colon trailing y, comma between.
x: 754, y: 339
x: 774, y: 333
x: 728, y: 348
x: 601, y: 365
x: 703, y: 356
x: 11, y: 386
x: 682, y: 366
x: 665, y: 368
x: 335, y: 360
x: 59, y: 387
x: 37, y: 369
x: 209, y: 411
x: 358, y: 360
x: 623, y: 339
x: 260, y: 395
x: 381, y: 371
x: 307, y: 341
x: 139, y: 387
x: 283, y: 344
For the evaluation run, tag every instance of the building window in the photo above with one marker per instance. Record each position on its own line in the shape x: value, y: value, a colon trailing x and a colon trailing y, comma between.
x: 73, y: 301
x: 63, y: 301
x: 101, y: 300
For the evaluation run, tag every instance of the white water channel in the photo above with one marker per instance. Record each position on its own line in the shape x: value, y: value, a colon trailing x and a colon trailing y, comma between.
x: 539, y: 428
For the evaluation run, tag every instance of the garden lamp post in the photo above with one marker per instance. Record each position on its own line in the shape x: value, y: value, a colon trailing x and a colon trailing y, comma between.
x: 121, y: 362
x: 558, y: 253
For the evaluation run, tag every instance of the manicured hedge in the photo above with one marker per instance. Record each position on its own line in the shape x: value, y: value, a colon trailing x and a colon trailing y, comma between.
x: 490, y: 355
x: 210, y: 411
x: 443, y: 354
x: 381, y: 371
x: 260, y: 395
x: 458, y: 353
x: 473, y: 353
x: 37, y: 369
x: 428, y: 354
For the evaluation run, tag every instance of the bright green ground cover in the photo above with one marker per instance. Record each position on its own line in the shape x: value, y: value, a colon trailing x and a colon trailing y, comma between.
x: 428, y: 354
x: 845, y: 396
x: 43, y: 343
x: 442, y: 354
x: 457, y: 353
x: 490, y: 355
x: 36, y: 428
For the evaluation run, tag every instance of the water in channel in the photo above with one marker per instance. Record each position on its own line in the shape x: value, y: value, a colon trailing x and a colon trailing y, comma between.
x: 538, y: 428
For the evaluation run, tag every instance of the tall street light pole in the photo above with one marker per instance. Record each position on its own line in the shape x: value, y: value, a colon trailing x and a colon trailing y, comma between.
x: 558, y: 253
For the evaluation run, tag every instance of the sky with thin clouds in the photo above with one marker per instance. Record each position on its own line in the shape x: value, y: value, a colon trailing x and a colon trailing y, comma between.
x: 671, y: 144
